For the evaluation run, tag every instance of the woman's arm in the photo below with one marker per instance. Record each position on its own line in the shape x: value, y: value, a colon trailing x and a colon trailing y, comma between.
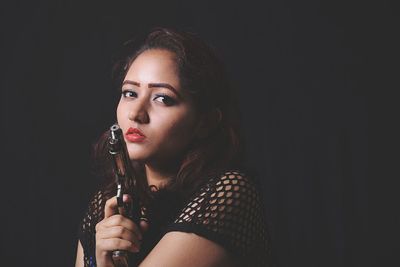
x: 79, y: 256
x: 226, y: 209
x: 177, y: 249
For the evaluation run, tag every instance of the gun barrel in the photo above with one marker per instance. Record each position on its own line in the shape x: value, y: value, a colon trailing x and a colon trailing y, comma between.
x: 121, y: 162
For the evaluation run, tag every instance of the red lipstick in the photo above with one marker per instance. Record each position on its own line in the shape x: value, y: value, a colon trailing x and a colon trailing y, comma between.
x: 134, y: 135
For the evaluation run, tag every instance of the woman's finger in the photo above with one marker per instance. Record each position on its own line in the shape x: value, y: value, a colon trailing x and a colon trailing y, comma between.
x: 112, y: 244
x: 119, y: 232
x: 119, y: 220
x: 111, y: 206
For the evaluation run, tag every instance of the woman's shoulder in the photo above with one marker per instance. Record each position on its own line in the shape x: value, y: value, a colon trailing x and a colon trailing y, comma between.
x: 94, y: 212
x: 235, y: 176
x: 86, y: 232
x: 233, y: 183
x: 228, y: 210
x: 97, y: 202
x: 232, y: 190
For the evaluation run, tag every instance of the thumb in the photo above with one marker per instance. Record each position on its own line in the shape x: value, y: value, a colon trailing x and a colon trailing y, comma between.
x: 111, y: 206
x: 144, y: 224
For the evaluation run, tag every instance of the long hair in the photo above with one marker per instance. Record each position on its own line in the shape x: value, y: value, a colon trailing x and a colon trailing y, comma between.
x: 202, y: 74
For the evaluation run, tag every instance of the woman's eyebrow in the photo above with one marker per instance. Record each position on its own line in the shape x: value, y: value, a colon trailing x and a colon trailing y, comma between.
x: 164, y: 85
x: 155, y: 85
x: 131, y: 82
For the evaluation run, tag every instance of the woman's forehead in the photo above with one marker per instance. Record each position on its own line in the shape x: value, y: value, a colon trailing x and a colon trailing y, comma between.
x: 154, y: 66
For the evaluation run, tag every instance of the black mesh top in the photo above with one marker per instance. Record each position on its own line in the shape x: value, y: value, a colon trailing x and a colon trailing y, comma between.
x: 226, y: 210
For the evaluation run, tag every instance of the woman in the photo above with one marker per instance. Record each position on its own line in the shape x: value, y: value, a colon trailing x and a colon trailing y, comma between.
x: 178, y: 118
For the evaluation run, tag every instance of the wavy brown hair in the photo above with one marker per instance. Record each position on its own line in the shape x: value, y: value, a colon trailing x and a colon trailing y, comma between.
x: 203, y: 75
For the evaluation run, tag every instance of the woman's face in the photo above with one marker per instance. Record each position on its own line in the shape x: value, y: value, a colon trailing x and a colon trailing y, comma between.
x: 157, y: 117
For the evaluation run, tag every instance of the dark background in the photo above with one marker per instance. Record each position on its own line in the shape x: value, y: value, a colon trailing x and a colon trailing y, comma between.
x: 312, y: 77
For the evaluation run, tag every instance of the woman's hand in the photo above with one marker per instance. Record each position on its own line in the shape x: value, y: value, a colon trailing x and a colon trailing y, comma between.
x: 115, y: 232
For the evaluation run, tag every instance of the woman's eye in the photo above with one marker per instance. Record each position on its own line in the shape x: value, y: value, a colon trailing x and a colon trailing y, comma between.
x: 166, y: 100
x: 128, y: 93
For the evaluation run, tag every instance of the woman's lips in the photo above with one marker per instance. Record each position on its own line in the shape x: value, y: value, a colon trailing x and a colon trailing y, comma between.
x: 134, y: 135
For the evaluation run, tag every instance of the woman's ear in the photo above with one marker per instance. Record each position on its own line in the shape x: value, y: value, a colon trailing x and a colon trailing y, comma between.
x: 208, y: 123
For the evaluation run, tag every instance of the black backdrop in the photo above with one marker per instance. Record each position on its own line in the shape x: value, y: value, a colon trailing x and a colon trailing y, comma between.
x: 304, y: 71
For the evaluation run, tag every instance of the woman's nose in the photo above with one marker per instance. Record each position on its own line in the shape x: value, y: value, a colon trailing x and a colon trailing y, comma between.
x: 138, y: 113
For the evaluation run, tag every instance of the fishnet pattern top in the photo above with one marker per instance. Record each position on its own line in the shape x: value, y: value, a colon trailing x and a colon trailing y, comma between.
x: 226, y: 210
x: 87, y: 231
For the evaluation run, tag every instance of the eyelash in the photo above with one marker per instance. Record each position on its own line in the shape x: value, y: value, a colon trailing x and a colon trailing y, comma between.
x: 126, y: 92
x: 168, y: 100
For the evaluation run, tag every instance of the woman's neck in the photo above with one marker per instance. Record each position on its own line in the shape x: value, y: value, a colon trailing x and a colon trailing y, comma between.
x: 158, y: 177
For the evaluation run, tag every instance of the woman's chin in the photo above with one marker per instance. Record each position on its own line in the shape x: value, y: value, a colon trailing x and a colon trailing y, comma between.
x: 137, y: 157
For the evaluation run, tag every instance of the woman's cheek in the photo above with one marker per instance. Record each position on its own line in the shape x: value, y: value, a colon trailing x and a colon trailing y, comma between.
x: 122, y: 115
